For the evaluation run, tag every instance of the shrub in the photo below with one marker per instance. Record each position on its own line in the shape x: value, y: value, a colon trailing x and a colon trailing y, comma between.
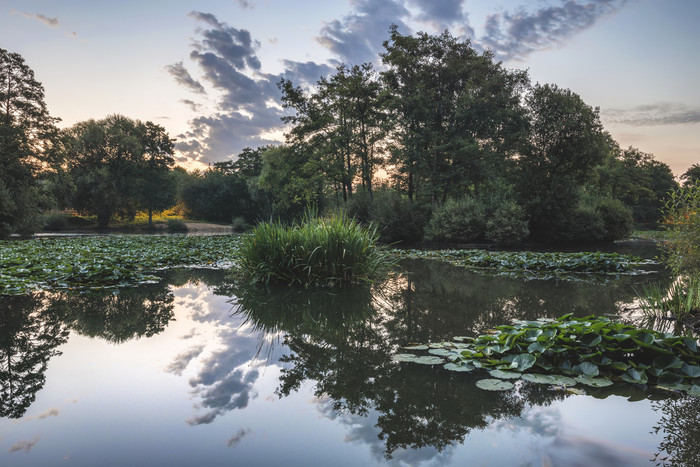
x: 239, y: 224
x: 616, y: 217
x: 507, y: 225
x: 585, y: 225
x: 177, y: 225
x: 682, y: 219
x: 55, y: 221
x: 396, y: 218
x: 458, y: 220
x: 317, y: 252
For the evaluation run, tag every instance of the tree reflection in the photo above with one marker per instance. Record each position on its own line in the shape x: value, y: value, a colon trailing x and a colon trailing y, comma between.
x: 681, y: 430
x: 30, y: 335
x: 32, y: 327
x: 343, y: 340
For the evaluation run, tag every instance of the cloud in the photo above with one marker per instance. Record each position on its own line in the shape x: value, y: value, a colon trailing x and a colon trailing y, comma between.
x: 182, y: 360
x: 441, y: 15
x: 183, y: 77
x: 306, y: 72
x: 666, y: 113
x: 358, y: 37
x: 516, y: 35
x: 235, y: 439
x: 52, y: 412
x: 245, y: 4
x: 23, y: 445
x: 52, y: 22
x: 191, y: 104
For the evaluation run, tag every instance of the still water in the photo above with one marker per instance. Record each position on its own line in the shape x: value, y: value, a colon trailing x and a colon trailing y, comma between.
x: 184, y: 372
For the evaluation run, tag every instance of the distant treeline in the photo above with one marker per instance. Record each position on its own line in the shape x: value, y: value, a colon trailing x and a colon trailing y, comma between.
x: 444, y: 145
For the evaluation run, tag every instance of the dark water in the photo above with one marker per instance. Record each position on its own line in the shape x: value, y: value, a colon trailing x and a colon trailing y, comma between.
x: 186, y: 373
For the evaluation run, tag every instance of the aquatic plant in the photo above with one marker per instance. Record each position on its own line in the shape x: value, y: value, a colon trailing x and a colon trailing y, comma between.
x: 316, y: 252
x: 533, y: 264
x: 105, y: 261
x: 680, y: 301
x: 592, y: 351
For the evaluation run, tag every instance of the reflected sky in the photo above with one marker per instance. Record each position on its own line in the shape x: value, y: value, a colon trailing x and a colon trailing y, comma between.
x: 208, y: 378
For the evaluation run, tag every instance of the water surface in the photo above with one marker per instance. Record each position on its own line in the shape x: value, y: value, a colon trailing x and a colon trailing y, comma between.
x: 189, y: 371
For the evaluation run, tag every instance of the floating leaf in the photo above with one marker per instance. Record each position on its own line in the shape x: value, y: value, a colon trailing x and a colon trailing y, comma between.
x: 664, y: 362
x: 563, y: 380
x: 494, y: 385
x: 523, y: 362
x: 416, y: 347
x: 586, y: 369
x: 404, y: 357
x: 669, y: 378
x: 504, y: 374
x: 694, y: 391
x: 594, y: 382
x: 692, y: 371
x: 441, y: 352
x: 539, y: 379
x: 458, y: 367
x: 591, y: 339
x: 635, y: 376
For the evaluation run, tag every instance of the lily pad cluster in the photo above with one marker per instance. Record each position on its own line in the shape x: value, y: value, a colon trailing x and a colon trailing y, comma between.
x: 535, y: 264
x: 105, y: 261
x: 592, y: 351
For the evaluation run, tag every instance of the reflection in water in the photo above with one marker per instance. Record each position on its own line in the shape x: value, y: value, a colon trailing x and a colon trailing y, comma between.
x: 32, y: 327
x: 681, y: 428
x: 30, y: 333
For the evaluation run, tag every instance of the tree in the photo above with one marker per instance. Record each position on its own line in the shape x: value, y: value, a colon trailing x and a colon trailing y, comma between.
x: 27, y: 134
x: 457, y: 114
x: 691, y: 177
x: 566, y: 141
x: 118, y: 164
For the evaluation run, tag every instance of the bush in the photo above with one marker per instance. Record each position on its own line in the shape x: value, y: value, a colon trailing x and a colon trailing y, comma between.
x: 458, y: 220
x: 55, y: 221
x: 239, y: 224
x: 681, y: 216
x: 616, y: 217
x: 317, y: 252
x: 507, y: 225
x: 177, y: 225
x: 585, y: 225
x: 396, y: 218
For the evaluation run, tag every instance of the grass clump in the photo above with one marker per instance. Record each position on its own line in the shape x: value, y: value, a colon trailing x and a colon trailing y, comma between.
x: 313, y: 253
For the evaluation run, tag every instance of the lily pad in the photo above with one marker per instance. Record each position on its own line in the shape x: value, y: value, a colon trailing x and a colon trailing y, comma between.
x: 693, y: 391
x: 562, y: 380
x: 416, y: 347
x: 576, y: 391
x: 494, y: 385
x: 594, y: 382
x: 460, y: 338
x: 457, y: 367
x: 441, y: 352
x: 429, y: 360
x: 539, y: 379
x: 404, y: 357
x: 500, y: 374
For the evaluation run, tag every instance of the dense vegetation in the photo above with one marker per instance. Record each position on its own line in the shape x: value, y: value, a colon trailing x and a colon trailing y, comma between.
x: 565, y: 351
x: 444, y: 144
x: 319, y: 251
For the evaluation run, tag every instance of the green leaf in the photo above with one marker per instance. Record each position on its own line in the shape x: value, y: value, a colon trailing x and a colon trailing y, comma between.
x: 591, y: 339
x: 458, y: 367
x: 635, y: 376
x: 539, y: 379
x: 538, y: 347
x: 500, y: 374
x: 523, y: 362
x: 586, y: 369
x: 594, y: 382
x: 494, y: 385
x: 669, y: 378
x: 692, y: 371
x: 664, y: 362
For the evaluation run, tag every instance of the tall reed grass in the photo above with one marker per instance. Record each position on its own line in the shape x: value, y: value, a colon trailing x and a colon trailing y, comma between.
x: 680, y: 301
x: 316, y: 252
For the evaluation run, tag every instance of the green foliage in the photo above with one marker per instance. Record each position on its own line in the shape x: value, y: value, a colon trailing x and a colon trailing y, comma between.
x: 177, y: 225
x: 682, y: 220
x: 105, y: 261
x: 691, y: 177
x: 478, y: 218
x: 118, y: 165
x: 317, y: 252
x: 239, y: 224
x: 616, y: 217
x: 216, y: 196
x: 593, y: 351
x: 27, y: 138
x: 680, y: 301
x: 55, y: 221
x: 396, y: 218
x: 532, y: 264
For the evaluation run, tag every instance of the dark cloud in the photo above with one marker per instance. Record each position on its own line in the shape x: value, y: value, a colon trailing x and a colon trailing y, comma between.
x: 245, y: 4
x: 53, y: 22
x: 359, y: 36
x: 516, y: 35
x: 183, y: 77
x: 306, y: 72
x: 24, y: 445
x: 235, y: 439
x: 440, y: 14
x: 653, y: 115
x: 191, y: 104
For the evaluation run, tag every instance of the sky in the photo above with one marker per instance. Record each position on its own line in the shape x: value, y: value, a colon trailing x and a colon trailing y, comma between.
x: 207, y: 70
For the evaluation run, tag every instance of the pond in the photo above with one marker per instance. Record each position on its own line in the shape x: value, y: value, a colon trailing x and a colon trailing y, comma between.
x: 183, y: 372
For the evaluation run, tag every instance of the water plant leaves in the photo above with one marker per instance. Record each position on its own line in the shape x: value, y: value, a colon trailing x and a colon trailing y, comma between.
x: 594, y: 382
x: 429, y: 360
x: 494, y: 385
x: 664, y: 362
x: 586, y: 369
x: 635, y: 376
x: 404, y: 357
x: 523, y: 362
x: 458, y: 367
x: 501, y: 374
x: 539, y: 379
x: 416, y: 347
x: 691, y: 370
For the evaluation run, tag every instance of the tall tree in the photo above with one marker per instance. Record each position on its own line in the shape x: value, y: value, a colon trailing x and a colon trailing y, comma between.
x: 457, y: 113
x: 691, y: 177
x: 156, y: 187
x: 566, y: 141
x: 117, y: 164
x: 27, y: 133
